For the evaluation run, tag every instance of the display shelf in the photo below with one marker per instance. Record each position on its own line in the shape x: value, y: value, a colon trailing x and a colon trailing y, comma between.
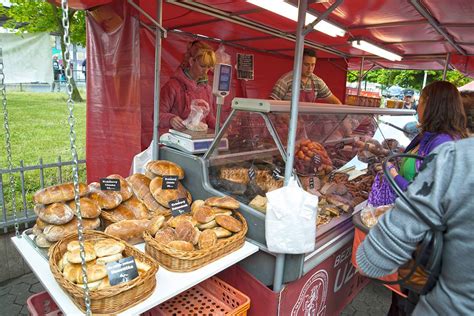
x: 168, y: 284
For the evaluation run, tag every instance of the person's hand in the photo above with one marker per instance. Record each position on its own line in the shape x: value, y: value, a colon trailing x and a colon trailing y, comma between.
x: 392, y: 169
x: 177, y: 123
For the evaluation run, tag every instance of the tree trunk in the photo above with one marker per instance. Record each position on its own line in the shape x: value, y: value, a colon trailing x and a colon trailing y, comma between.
x: 76, y: 96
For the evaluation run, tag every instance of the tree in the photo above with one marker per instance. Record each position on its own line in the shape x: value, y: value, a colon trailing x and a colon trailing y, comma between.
x: 34, y: 16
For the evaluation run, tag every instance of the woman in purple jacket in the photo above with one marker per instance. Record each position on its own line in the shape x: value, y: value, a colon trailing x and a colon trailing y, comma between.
x: 441, y: 119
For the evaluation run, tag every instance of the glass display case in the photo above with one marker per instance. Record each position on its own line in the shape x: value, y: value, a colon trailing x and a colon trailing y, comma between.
x: 328, y: 140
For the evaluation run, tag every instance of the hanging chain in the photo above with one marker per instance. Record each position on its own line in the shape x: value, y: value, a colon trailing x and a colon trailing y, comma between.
x: 8, y: 143
x: 72, y: 138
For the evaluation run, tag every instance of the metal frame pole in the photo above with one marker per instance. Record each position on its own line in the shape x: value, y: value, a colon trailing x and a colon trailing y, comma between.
x: 446, y: 65
x: 156, y: 90
x: 360, y: 75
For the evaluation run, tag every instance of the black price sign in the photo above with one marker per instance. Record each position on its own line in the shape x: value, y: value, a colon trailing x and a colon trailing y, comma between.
x: 170, y: 183
x: 245, y: 66
x: 339, y: 146
x: 311, y: 183
x: 179, y: 206
x: 276, y: 173
x: 107, y: 184
x: 316, y: 160
x: 251, y: 173
x: 122, y: 271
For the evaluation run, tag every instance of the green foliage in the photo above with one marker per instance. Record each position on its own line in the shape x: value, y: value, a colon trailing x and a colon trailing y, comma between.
x: 409, y: 78
x: 35, y: 16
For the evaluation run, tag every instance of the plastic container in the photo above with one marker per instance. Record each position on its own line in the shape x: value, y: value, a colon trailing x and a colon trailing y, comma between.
x: 41, y: 304
x: 211, y: 297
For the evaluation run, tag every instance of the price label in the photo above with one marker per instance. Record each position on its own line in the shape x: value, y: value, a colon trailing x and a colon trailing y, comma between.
x: 339, y: 146
x: 276, y: 173
x: 122, y: 271
x: 316, y: 160
x: 179, y: 206
x: 311, y: 183
x: 107, y: 184
x: 170, y: 183
x: 252, y: 173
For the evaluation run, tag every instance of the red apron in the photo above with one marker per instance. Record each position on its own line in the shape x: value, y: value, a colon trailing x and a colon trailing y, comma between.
x: 308, y: 96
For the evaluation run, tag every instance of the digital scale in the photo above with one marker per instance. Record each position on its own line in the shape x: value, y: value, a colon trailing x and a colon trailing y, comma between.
x: 191, y: 142
x: 199, y: 142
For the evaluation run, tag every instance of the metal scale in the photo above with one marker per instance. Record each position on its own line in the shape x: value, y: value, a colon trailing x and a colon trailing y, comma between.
x: 199, y: 142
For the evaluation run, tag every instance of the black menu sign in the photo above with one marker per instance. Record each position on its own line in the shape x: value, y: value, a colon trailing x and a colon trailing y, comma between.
x: 169, y: 183
x: 179, y: 206
x: 122, y: 271
x: 107, y: 184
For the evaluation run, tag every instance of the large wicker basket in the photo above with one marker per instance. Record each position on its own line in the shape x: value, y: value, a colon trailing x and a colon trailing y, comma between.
x: 110, y: 300
x: 185, y: 261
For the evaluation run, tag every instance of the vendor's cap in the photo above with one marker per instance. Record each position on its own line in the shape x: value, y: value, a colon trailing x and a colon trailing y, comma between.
x: 408, y: 92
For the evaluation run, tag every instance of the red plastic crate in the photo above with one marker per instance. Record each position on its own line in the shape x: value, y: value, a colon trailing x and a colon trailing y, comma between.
x: 211, y: 297
x: 41, y: 304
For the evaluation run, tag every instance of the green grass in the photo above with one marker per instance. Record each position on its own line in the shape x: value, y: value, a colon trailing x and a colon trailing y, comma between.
x: 39, y: 128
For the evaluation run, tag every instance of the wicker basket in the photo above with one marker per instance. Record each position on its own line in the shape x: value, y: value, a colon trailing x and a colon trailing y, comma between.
x: 185, y: 261
x: 109, y: 300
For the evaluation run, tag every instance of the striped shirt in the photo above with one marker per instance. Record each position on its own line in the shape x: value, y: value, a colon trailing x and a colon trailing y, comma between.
x: 282, y: 88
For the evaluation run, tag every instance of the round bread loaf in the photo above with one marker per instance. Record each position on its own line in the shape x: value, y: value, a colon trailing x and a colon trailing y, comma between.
x: 173, y: 221
x: 229, y: 223
x: 75, y: 255
x: 196, y: 205
x: 58, y: 193
x: 106, y: 199
x: 204, y: 214
x: 36, y: 230
x: 89, y: 207
x: 94, y: 272
x: 74, y: 245
x: 130, y: 231
x: 107, y: 259
x: 221, y: 232
x: 141, y: 187
x: 197, y: 234
x: 56, y: 232
x: 181, y: 245
x: 165, y: 196
x: 207, y: 239
x: 125, y: 190
x: 155, y: 224
x: 223, y: 202
x: 41, y: 224
x: 56, y: 213
x: 108, y: 247
x: 221, y: 211
x: 130, y: 209
x: 165, y: 168
x: 166, y: 235
x: 185, y: 231
x: 42, y: 242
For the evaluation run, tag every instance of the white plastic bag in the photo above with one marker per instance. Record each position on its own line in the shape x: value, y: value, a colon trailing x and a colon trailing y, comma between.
x: 221, y: 56
x: 199, y: 110
x: 140, y: 160
x: 290, y: 222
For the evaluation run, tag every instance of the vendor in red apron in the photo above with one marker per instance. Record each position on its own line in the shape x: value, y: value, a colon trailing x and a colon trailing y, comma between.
x: 312, y: 88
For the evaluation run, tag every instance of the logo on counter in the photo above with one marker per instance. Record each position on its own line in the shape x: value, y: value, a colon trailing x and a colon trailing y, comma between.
x: 313, y: 295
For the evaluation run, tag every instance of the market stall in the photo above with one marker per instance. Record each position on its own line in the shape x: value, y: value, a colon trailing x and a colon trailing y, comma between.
x: 270, y: 139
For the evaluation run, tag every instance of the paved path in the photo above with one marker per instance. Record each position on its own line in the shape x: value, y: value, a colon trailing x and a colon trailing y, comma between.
x: 374, y: 300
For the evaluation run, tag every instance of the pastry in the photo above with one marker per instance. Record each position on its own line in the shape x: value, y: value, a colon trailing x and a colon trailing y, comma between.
x: 181, y: 245
x: 207, y: 239
x: 259, y: 203
x: 229, y: 223
x: 238, y: 175
x: 56, y: 213
x: 108, y: 247
x: 165, y: 168
x: 166, y: 235
x: 58, y: 193
x: 223, y: 202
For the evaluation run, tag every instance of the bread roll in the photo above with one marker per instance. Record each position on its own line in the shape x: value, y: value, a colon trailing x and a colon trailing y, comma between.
x: 139, y: 209
x: 166, y: 235
x: 150, y: 174
x: 142, y: 265
x: 41, y: 224
x: 181, y: 245
x: 75, y: 255
x: 185, y: 231
x: 173, y: 221
x: 229, y: 223
x: 56, y: 232
x: 108, y: 247
x: 207, y: 239
x: 165, y: 168
x: 165, y: 196
x: 74, y: 245
x: 197, y: 234
x: 196, y: 205
x: 130, y: 231
x: 93, y: 286
x: 94, y: 272
x: 104, y: 283
x: 223, y: 202
x: 58, y: 193
x: 141, y: 187
x: 221, y: 211
x: 125, y: 190
x: 56, y: 213
x: 89, y: 207
x: 222, y: 232
x: 106, y: 199
x: 36, y: 230
x: 209, y: 225
x: 107, y: 259
x: 204, y: 214
x: 155, y: 224
x: 42, y: 242
x: 63, y: 261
